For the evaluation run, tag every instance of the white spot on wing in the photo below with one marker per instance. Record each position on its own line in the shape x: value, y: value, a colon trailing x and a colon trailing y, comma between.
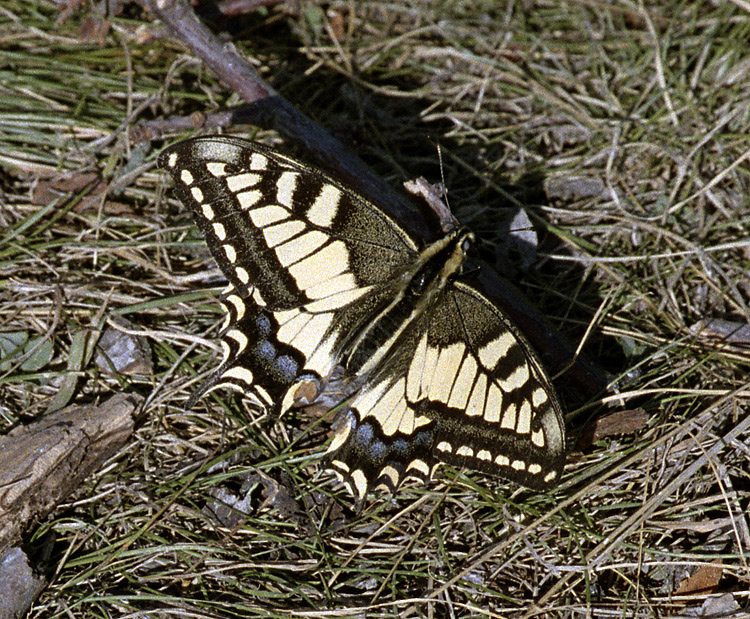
x: 368, y: 398
x: 445, y: 447
x: 186, y: 177
x: 463, y: 383
x: 430, y: 363
x: 305, y: 332
x: 343, y: 282
x: 290, y: 323
x: 197, y: 194
x: 248, y: 199
x: 508, y: 419
x: 238, y: 304
x: 406, y: 423
x: 537, y: 437
x: 416, y: 369
x: 264, y: 395
x: 422, y: 420
x: 334, y: 301
x: 336, y: 285
x: 360, y: 482
x: 445, y: 371
x: 477, y: 400
x: 340, y: 437
x: 258, y: 162
x: 490, y: 354
x: 322, y: 360
x: 518, y: 378
x: 245, y: 390
x: 239, y: 373
x: 267, y: 215
x: 258, y: 298
x: 342, y: 466
x: 524, y: 418
x: 280, y: 234
x: 391, y: 476
x: 226, y: 350
x: 285, y: 187
x: 325, y: 206
x: 420, y: 466
x: 322, y: 265
x: 216, y: 169
x: 539, y: 397
x: 494, y: 404
x: 392, y: 412
x: 300, y: 247
x: 242, y: 275
x: 239, y: 338
x: 238, y: 182
x: 220, y: 231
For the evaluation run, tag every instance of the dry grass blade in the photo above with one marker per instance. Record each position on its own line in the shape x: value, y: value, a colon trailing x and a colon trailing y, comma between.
x: 621, y: 130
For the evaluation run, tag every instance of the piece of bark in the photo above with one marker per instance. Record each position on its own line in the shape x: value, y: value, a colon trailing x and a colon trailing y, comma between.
x: 43, y: 462
x: 704, y: 581
x: 119, y: 351
x: 725, y: 331
x: 19, y: 586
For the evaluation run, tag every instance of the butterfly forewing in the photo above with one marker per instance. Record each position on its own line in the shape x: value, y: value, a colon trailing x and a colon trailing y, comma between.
x: 319, y: 278
x: 288, y: 231
x: 298, y: 250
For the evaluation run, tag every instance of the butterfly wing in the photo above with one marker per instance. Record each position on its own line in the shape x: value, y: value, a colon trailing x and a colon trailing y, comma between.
x: 465, y: 388
x: 319, y: 276
x: 307, y: 259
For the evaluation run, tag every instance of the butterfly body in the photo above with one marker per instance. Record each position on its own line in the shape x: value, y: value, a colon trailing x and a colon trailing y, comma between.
x: 321, y: 279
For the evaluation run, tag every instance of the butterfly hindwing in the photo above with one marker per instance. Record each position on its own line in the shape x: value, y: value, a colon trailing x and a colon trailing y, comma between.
x: 321, y: 278
x: 464, y: 388
x: 500, y: 414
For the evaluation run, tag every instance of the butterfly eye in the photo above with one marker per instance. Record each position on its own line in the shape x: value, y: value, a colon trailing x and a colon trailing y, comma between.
x: 418, y: 283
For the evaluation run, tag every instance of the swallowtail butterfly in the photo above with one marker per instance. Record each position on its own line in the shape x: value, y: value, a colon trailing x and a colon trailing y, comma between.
x: 320, y: 278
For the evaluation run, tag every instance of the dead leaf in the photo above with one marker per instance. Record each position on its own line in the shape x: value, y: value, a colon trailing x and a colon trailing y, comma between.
x: 704, y: 581
x: 620, y: 422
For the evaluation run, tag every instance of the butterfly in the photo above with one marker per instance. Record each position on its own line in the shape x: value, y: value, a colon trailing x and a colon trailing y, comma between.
x: 324, y: 283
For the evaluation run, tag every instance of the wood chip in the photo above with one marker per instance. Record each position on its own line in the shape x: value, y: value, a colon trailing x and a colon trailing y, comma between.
x: 43, y: 462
